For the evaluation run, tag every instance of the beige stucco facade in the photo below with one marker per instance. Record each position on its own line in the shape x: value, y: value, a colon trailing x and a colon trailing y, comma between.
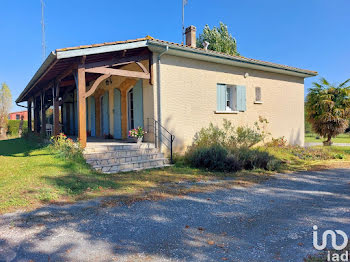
x: 188, y: 99
x: 176, y: 84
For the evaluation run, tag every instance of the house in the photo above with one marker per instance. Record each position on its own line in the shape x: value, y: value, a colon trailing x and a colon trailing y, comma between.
x: 172, y: 90
x: 18, y: 115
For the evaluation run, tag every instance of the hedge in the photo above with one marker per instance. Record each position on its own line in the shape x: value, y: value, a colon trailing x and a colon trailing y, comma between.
x: 13, y: 127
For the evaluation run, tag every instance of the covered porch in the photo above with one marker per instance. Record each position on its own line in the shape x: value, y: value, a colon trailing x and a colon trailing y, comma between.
x: 100, y: 95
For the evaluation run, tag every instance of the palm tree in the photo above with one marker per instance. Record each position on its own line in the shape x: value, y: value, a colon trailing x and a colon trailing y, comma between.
x: 328, y: 108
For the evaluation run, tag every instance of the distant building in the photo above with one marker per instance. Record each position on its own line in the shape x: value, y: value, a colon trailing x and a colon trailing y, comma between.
x: 18, y: 115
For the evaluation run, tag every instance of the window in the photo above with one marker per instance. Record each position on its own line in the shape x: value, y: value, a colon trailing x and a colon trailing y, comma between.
x: 231, y: 94
x: 258, y: 98
x: 230, y: 98
x: 17, y: 116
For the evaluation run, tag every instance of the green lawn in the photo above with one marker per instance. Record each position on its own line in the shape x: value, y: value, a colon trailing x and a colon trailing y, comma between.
x: 343, y: 138
x: 31, y: 175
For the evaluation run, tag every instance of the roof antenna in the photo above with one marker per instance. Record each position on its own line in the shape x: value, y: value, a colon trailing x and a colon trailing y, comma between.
x: 43, y: 44
x: 184, y: 2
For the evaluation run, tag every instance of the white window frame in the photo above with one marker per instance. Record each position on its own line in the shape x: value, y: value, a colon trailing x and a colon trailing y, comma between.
x: 258, y: 101
x: 231, y: 104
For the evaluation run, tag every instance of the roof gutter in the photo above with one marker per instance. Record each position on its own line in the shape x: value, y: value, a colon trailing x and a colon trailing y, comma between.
x: 227, y: 59
x: 49, y: 62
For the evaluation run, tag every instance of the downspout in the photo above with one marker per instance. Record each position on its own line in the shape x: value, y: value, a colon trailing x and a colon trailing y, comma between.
x: 159, y: 98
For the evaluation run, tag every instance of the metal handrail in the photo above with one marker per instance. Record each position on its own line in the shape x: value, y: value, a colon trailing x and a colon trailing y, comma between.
x: 156, y: 126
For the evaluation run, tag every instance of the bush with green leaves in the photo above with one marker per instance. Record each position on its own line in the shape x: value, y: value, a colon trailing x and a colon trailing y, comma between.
x: 212, y: 157
x: 256, y: 159
x: 229, y: 136
x: 229, y: 148
x: 218, y: 158
x: 13, y: 127
x: 66, y: 147
x: 277, y: 142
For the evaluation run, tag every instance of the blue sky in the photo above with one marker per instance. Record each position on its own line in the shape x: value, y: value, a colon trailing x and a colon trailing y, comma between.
x: 310, y: 34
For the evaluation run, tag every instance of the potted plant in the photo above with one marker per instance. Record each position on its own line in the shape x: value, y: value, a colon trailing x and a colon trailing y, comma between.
x: 137, y: 133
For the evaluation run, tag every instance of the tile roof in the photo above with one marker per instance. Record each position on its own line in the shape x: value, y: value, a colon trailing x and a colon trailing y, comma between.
x: 239, y: 58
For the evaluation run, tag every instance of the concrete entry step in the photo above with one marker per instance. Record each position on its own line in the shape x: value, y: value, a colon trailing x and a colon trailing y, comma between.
x: 130, y: 166
x: 120, y: 153
x: 125, y: 159
x: 117, y: 157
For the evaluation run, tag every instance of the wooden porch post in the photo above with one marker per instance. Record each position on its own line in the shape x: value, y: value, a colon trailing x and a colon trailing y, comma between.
x: 36, y: 116
x: 81, y: 105
x: 43, y: 114
x: 56, y: 111
x: 29, y: 115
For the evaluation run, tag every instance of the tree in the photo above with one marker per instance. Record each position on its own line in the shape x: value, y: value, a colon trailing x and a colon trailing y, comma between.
x: 308, y: 127
x: 328, y: 108
x: 219, y: 39
x: 5, y: 106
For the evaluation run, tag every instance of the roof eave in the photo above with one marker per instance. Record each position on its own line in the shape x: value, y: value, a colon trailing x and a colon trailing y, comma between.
x: 227, y: 59
x: 61, y: 54
x: 99, y: 49
x: 44, y: 66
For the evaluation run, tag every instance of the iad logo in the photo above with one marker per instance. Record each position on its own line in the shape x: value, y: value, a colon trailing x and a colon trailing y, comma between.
x: 333, y: 235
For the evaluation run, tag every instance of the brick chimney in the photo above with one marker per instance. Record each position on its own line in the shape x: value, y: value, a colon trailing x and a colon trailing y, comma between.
x: 190, y: 33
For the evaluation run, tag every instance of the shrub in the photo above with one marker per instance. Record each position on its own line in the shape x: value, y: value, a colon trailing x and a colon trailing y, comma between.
x: 13, y: 127
x: 232, y: 163
x: 274, y: 164
x: 66, y: 147
x: 277, y: 142
x: 212, y: 158
x: 229, y: 136
x: 209, y: 136
x: 254, y: 158
x: 217, y: 158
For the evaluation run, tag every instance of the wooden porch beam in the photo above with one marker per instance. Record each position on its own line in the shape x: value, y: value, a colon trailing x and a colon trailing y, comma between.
x: 95, y: 85
x: 143, y: 68
x: 118, y: 72
x: 67, y: 72
x: 117, y: 61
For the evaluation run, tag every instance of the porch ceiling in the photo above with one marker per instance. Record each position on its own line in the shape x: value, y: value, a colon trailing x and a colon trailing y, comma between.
x: 58, y: 66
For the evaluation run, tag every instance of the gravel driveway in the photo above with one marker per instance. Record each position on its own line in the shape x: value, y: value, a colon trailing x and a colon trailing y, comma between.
x: 269, y: 222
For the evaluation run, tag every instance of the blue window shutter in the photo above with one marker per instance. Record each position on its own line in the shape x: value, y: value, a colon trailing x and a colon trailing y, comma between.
x: 87, y: 113
x: 241, y: 98
x: 117, y: 114
x: 138, y: 104
x: 221, y: 97
x: 93, y: 120
x: 105, y: 113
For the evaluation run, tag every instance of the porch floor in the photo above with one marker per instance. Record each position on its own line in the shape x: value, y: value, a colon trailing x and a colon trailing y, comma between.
x: 99, y: 141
